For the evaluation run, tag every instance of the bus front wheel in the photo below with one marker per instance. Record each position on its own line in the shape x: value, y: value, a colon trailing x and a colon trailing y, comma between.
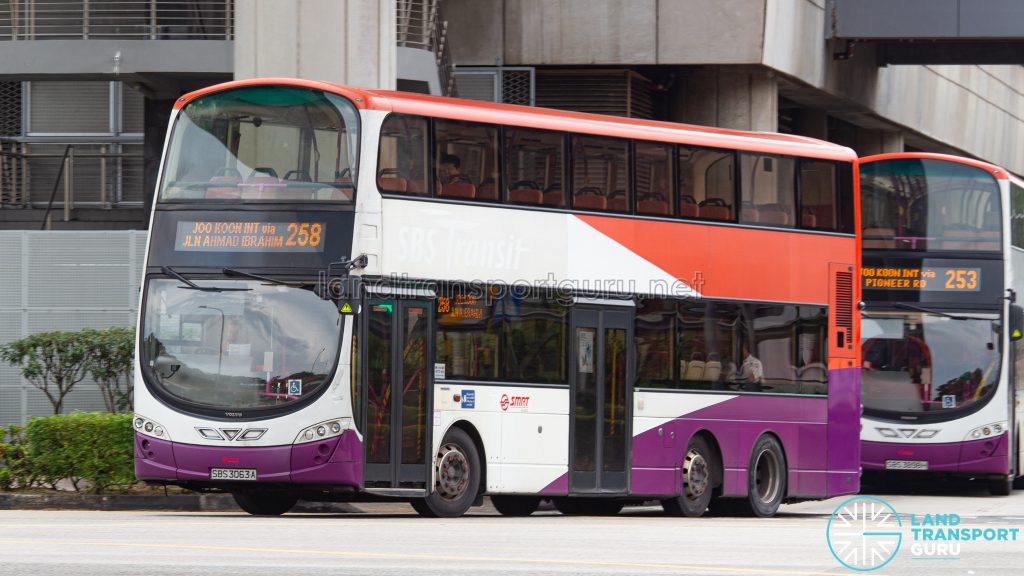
x: 1001, y: 486
x: 456, y: 478
x: 699, y: 472
x: 266, y: 503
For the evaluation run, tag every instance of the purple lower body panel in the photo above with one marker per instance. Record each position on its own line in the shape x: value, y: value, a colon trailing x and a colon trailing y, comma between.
x: 819, y: 435
x: 334, y: 461
x: 988, y: 456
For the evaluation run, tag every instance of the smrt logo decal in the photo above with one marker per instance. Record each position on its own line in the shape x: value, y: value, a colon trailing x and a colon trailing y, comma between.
x: 514, y: 402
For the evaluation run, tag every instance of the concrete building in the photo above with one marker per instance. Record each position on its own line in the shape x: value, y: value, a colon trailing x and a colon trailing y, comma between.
x: 86, y: 88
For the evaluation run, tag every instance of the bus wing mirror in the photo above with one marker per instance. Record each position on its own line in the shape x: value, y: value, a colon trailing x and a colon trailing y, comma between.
x: 1016, y: 322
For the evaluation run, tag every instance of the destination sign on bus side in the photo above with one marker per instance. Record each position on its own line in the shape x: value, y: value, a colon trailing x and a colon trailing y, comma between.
x: 241, y: 236
x: 933, y: 279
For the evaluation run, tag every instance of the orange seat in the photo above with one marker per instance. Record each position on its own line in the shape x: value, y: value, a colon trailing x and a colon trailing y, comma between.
x: 394, y: 184
x: 749, y: 214
x: 657, y: 207
x: 618, y: 204
x: 458, y: 190
x: 554, y: 198
x: 589, y: 202
x: 773, y: 216
x: 714, y: 212
x: 687, y: 210
x: 487, y: 191
x: 525, y: 196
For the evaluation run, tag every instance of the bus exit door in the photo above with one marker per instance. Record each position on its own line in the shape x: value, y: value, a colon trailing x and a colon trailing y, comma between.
x: 601, y: 400
x: 395, y: 400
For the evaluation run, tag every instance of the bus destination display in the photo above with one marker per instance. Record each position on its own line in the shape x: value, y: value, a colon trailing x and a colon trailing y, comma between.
x: 240, y: 236
x: 931, y: 279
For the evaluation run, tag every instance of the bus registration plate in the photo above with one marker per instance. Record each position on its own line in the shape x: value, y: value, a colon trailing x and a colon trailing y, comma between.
x: 232, y: 474
x: 906, y: 464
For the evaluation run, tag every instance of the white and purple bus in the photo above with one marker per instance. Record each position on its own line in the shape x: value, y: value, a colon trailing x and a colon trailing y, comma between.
x: 943, y: 265
x: 354, y: 294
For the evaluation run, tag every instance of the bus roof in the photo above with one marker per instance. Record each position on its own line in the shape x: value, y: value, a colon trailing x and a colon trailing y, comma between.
x: 995, y: 171
x: 550, y: 119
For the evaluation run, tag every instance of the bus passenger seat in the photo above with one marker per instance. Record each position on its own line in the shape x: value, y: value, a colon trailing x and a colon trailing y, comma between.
x: 525, y: 196
x: 487, y: 190
x: 391, y: 183
x: 695, y: 368
x: 807, y: 218
x: 618, y: 201
x: 657, y: 207
x: 777, y: 216
x: 458, y: 190
x: 688, y: 207
x: 715, y: 212
x: 589, y: 201
x: 749, y: 214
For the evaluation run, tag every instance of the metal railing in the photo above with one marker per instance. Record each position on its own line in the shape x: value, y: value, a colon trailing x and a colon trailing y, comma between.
x: 117, y: 19
x: 421, y: 25
x: 103, y: 175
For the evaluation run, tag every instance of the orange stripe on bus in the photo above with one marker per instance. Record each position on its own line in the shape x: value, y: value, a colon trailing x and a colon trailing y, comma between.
x: 734, y: 262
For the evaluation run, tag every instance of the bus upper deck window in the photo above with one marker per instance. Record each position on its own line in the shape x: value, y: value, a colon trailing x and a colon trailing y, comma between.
x: 263, y: 144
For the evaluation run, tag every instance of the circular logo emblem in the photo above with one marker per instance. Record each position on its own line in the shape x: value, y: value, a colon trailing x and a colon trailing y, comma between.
x: 864, y: 533
x: 504, y: 402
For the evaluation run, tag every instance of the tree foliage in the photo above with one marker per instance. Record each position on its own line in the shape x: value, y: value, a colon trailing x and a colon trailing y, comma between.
x: 111, y: 366
x: 53, y: 362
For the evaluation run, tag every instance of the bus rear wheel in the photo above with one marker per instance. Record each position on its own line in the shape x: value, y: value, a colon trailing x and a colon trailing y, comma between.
x: 699, y: 472
x: 266, y: 503
x: 456, y: 478
x: 766, y: 477
x: 515, y: 505
x: 587, y: 506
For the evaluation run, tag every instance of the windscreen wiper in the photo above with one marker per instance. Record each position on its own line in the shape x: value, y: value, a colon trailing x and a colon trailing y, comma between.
x: 232, y: 273
x: 937, y: 312
x: 190, y: 285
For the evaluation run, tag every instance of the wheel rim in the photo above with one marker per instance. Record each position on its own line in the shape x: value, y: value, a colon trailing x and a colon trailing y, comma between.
x: 452, y: 472
x: 695, y: 475
x: 766, y: 476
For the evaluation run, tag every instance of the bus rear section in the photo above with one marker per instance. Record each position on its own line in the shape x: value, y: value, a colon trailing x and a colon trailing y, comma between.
x: 937, y: 337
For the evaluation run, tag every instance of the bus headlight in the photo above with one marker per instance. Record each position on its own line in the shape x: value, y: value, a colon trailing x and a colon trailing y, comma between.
x: 986, y: 431
x: 148, y: 427
x: 323, y: 430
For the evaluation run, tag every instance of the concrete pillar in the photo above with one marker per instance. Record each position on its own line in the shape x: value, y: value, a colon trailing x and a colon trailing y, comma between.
x: 345, y: 41
x: 739, y: 97
x: 892, y: 141
x: 870, y: 141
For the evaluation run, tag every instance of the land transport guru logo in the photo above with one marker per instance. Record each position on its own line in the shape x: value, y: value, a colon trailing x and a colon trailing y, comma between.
x: 864, y: 534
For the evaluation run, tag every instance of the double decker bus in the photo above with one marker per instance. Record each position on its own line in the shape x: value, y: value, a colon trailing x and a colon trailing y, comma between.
x: 942, y: 271
x: 354, y: 294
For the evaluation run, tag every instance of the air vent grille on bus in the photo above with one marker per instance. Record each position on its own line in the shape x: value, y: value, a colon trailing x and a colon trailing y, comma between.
x: 844, y: 300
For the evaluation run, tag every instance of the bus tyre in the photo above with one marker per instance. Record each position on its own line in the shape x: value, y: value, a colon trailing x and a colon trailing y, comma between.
x: 698, y: 481
x: 587, y: 506
x: 266, y: 503
x: 515, y: 505
x: 456, y: 478
x: 1001, y: 486
x: 766, y: 477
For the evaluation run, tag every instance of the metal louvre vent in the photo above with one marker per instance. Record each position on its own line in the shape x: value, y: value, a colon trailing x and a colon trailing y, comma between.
x: 611, y: 92
x: 60, y: 107
x: 496, y: 84
x: 844, y: 300
x: 10, y: 108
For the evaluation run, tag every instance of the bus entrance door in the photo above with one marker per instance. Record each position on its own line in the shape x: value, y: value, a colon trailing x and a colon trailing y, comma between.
x: 395, y: 401
x: 601, y: 400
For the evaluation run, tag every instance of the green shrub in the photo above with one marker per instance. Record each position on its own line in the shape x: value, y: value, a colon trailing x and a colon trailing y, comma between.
x: 92, y: 447
x: 15, y: 465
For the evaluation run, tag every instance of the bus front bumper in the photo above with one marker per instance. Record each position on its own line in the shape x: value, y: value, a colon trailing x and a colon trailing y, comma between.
x: 987, y: 456
x: 334, y: 461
